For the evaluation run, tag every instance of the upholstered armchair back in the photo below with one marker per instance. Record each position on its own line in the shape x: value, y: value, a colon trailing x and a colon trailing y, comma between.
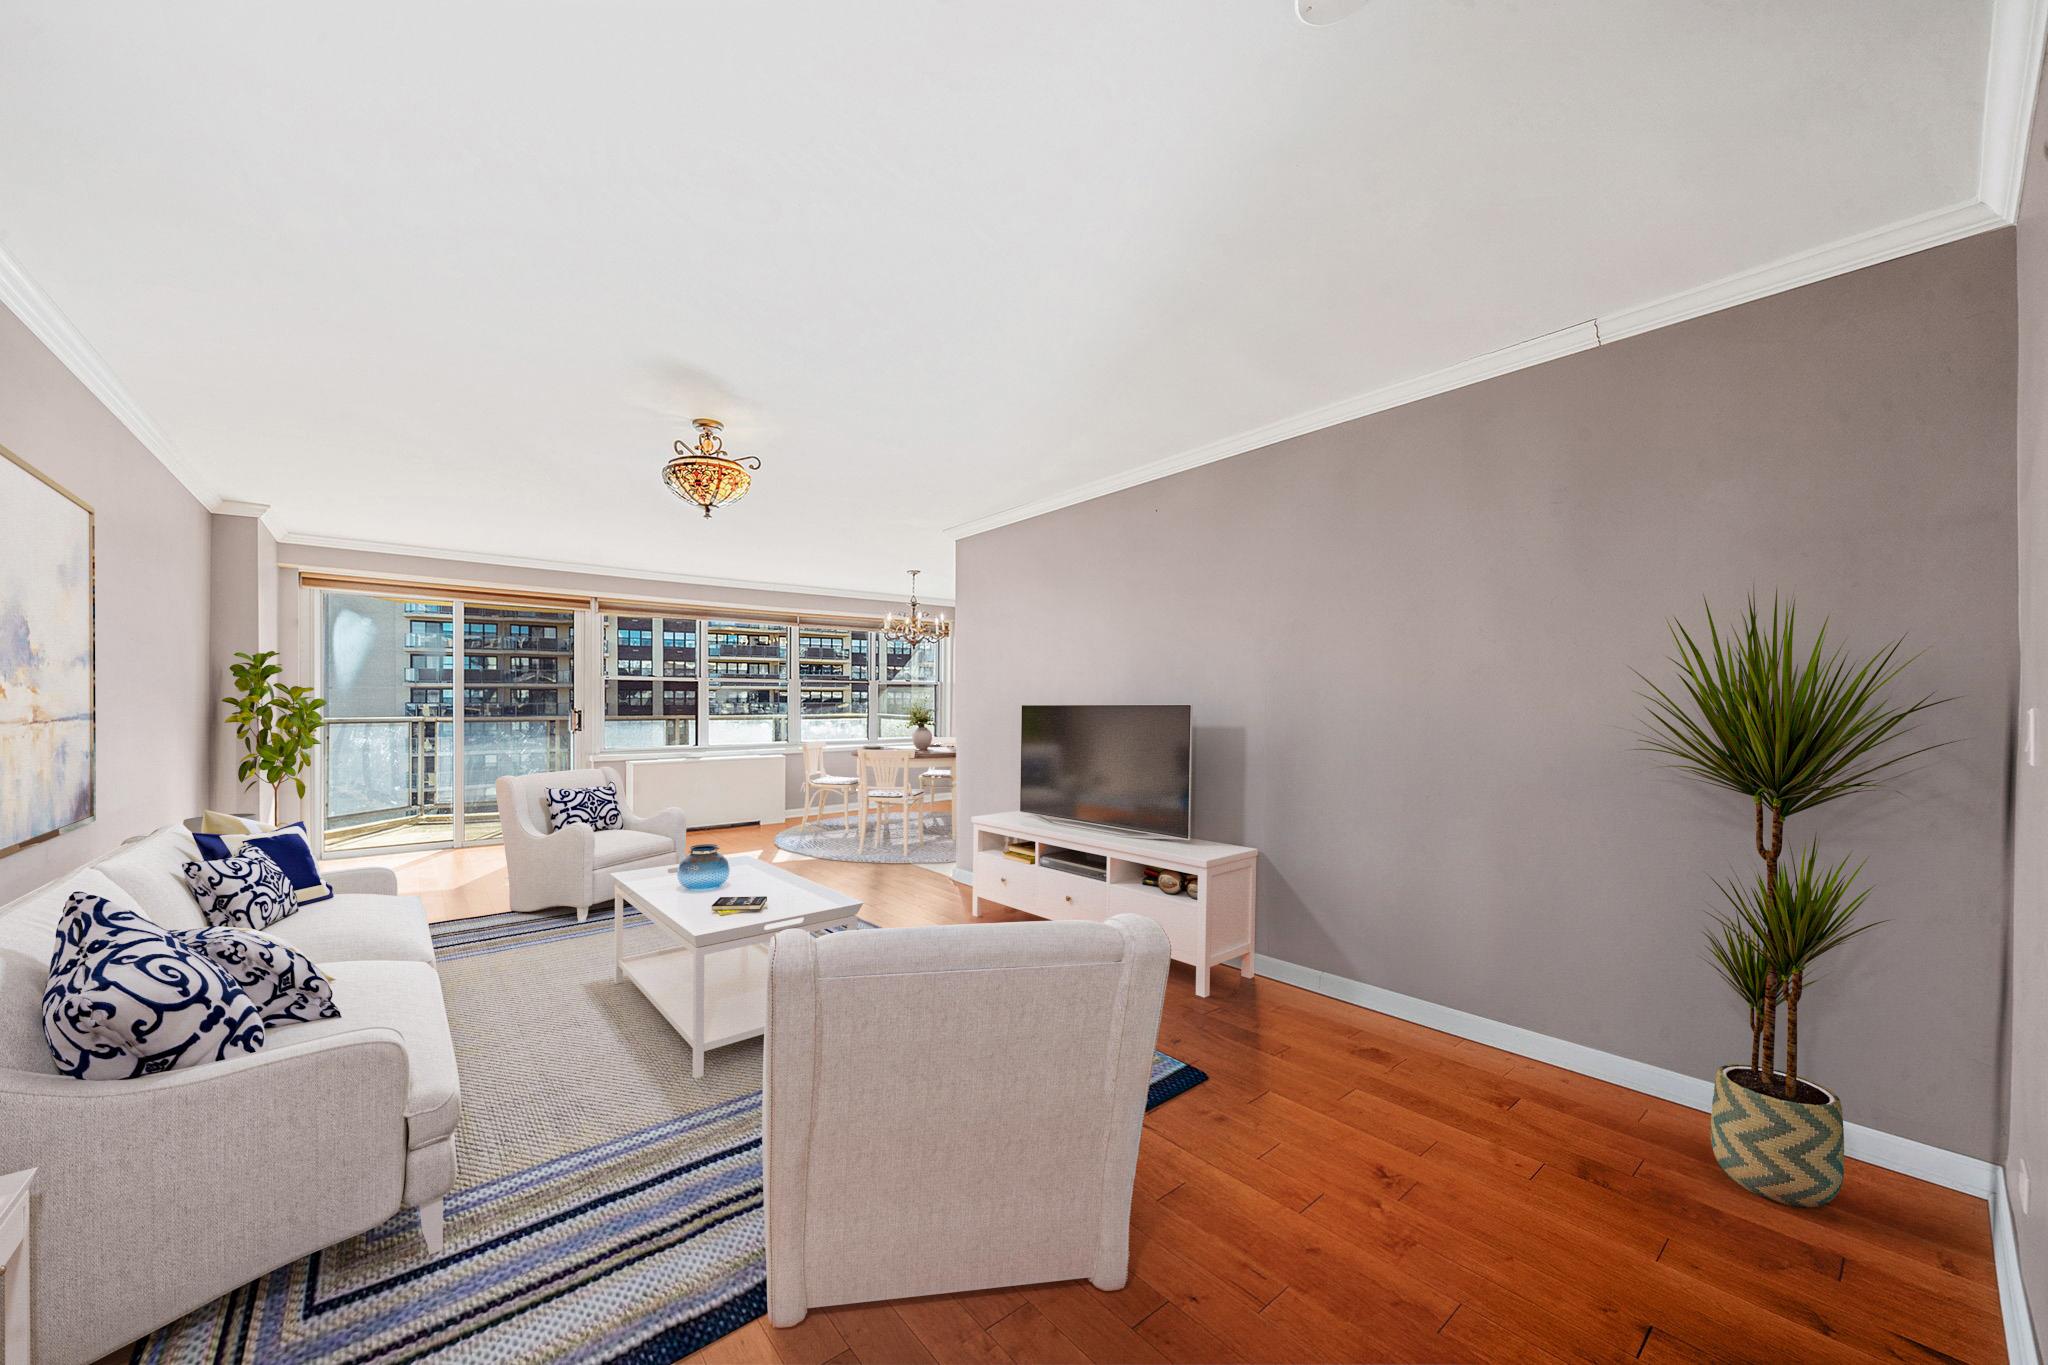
x: 955, y: 1108
x: 525, y: 797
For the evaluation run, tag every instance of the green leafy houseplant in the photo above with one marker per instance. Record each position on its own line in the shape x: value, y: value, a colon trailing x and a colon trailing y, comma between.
x: 277, y: 723
x: 920, y: 716
x: 1788, y: 729
x: 1778, y: 937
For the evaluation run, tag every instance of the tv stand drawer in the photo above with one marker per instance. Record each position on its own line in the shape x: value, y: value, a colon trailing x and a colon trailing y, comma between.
x: 1006, y: 881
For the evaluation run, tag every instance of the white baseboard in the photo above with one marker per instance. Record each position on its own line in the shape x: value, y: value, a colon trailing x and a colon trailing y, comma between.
x: 2020, y: 1347
x: 1921, y: 1160
x: 964, y: 875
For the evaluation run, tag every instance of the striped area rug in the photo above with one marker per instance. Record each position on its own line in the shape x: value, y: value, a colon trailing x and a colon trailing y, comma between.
x: 609, y: 1205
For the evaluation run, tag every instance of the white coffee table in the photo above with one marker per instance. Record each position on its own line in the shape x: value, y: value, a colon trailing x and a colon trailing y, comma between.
x: 711, y: 982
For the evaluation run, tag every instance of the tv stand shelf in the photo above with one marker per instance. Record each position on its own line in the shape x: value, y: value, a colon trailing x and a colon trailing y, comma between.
x: 1217, y: 923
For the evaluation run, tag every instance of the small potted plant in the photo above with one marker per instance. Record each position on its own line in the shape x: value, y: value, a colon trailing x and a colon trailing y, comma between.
x: 278, y: 724
x: 1788, y: 729
x: 920, y: 717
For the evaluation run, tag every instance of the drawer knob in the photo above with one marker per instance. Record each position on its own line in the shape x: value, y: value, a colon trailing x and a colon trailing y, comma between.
x: 1070, y: 900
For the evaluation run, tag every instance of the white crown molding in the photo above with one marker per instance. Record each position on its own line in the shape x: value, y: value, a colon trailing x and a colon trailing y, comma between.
x: 26, y: 300
x: 1578, y: 337
x: 2020, y: 1346
x: 2011, y: 78
x: 1902, y: 238
x: 1887, y: 243
x: 1938, y: 1165
x: 380, y: 547
x: 235, y: 507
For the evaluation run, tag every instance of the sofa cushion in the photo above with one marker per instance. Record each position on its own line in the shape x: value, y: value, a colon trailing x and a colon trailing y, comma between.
x: 247, y: 891
x: 283, y: 982
x: 28, y: 933
x: 615, y: 846
x: 127, y: 998
x: 152, y: 871
x: 404, y: 997
x: 356, y: 928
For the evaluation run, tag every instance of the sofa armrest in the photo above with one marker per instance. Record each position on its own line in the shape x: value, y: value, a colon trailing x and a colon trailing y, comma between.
x: 213, y: 1175
x: 669, y: 824
x: 361, y: 881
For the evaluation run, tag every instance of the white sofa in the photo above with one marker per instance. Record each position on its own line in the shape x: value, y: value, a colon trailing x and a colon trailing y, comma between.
x: 156, y: 1195
x: 573, y: 867
x: 955, y: 1108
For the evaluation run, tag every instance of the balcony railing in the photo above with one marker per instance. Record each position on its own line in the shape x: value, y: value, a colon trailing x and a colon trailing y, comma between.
x: 516, y: 644
x: 535, y: 677
x: 391, y: 782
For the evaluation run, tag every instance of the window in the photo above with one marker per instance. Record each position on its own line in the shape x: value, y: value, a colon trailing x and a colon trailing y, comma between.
x: 832, y: 669
x: 674, y: 682
x: 638, y: 713
x: 746, y: 667
x: 910, y: 677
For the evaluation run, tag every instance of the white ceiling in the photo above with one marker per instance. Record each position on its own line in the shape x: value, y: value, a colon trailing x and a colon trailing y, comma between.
x: 456, y: 275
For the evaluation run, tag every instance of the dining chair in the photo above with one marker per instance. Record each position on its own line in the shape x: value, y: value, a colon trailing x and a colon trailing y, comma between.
x: 821, y: 786
x: 938, y: 785
x: 885, y: 783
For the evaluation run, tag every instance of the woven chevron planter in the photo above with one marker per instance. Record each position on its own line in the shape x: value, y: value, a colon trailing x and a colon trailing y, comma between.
x: 1781, y: 1149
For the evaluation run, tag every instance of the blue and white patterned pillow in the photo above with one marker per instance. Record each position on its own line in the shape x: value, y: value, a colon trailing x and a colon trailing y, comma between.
x: 282, y: 981
x: 289, y: 846
x: 597, y: 807
x: 246, y: 891
x: 127, y: 999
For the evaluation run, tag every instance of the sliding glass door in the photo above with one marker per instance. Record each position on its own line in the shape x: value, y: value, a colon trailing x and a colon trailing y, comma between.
x: 518, y: 698
x: 418, y: 692
x: 387, y: 753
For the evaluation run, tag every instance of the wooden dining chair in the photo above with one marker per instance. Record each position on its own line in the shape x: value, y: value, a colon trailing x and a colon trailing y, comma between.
x: 885, y: 784
x: 821, y: 786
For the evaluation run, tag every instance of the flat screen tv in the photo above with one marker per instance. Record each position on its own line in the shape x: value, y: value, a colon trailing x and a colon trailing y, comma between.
x: 1121, y: 767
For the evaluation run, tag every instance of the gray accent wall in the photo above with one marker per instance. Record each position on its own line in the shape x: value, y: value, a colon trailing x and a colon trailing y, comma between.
x: 1408, y: 642
x: 153, y: 695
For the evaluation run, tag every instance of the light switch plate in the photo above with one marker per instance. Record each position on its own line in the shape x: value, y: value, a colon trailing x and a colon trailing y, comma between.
x: 2021, y: 1186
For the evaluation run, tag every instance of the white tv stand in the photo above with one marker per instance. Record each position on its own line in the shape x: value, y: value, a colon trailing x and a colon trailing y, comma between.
x: 1218, y: 923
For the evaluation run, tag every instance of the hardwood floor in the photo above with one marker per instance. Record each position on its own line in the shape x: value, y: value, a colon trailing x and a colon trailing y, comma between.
x: 1352, y: 1187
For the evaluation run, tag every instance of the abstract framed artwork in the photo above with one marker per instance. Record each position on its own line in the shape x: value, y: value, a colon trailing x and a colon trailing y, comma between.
x: 46, y: 657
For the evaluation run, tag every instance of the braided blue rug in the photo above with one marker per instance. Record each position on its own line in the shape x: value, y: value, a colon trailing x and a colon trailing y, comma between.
x: 609, y: 1206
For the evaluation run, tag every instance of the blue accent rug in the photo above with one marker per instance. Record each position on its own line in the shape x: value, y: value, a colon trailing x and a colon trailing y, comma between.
x: 575, y: 1233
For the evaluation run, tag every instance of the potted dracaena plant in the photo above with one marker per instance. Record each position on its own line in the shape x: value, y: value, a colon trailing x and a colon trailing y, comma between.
x: 1788, y: 729
x: 277, y: 723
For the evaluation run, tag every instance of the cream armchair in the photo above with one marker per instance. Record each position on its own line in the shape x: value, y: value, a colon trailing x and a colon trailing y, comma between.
x: 955, y: 1108
x: 574, y: 866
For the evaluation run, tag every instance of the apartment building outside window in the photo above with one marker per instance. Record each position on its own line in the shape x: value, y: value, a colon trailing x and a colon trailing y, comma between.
x: 663, y: 691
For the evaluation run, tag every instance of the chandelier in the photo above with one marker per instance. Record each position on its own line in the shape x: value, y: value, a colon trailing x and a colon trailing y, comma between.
x: 914, y: 628
x: 704, y: 474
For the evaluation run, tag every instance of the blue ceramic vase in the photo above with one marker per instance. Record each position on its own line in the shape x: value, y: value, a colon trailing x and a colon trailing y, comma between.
x: 704, y: 870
